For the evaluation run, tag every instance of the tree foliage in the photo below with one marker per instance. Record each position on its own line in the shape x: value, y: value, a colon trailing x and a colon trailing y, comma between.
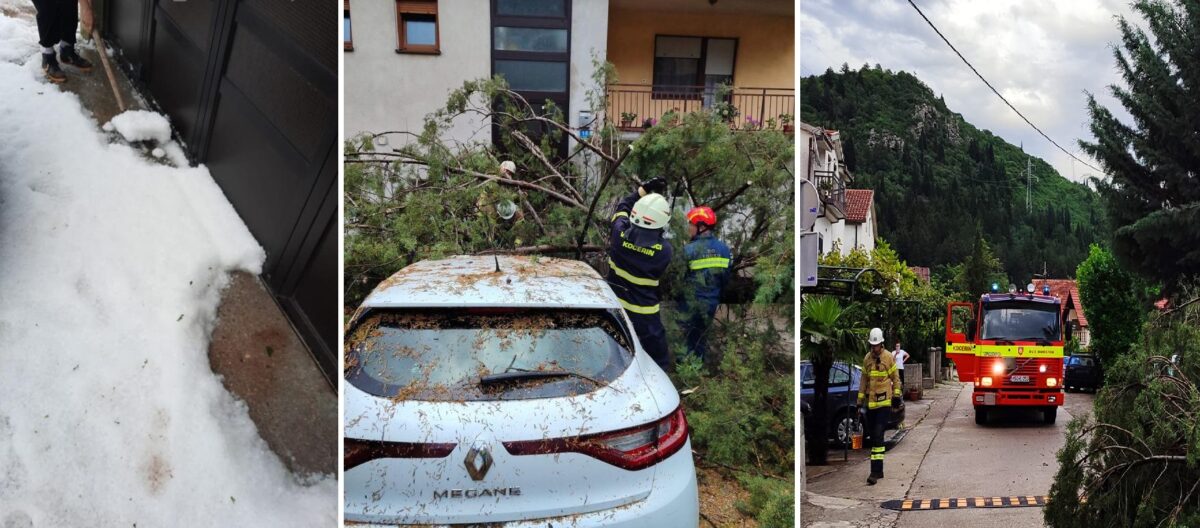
x: 434, y: 195
x: 1153, y: 195
x: 936, y: 177
x: 1137, y: 462
x: 1114, y: 308
x: 827, y: 335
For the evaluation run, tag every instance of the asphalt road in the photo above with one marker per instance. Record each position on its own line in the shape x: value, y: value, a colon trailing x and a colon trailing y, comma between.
x: 1014, y: 455
x: 946, y: 455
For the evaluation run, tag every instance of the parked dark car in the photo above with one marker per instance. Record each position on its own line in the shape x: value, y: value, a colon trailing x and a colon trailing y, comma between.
x: 1081, y: 372
x: 841, y: 405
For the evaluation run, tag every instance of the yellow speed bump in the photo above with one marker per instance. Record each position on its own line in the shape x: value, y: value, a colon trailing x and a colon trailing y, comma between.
x: 959, y: 503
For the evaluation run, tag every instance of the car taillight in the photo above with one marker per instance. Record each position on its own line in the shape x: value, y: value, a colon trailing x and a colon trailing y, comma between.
x: 634, y: 448
x: 357, y: 452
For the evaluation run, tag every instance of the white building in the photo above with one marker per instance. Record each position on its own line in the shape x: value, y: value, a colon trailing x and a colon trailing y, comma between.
x: 846, y: 219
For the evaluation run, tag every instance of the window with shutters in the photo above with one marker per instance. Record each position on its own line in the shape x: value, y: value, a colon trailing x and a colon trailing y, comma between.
x: 417, y: 26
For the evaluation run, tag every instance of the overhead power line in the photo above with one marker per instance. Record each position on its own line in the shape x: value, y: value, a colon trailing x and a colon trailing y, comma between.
x: 993, y: 88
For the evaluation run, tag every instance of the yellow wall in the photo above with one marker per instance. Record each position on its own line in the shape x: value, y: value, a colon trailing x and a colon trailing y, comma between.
x: 765, y: 50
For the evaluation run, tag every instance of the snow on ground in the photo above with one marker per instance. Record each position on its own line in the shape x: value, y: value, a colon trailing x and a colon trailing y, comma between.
x: 141, y: 125
x: 111, y: 269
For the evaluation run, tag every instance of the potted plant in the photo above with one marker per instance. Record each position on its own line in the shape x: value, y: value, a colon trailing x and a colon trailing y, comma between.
x: 785, y: 120
x: 649, y: 122
x: 627, y: 119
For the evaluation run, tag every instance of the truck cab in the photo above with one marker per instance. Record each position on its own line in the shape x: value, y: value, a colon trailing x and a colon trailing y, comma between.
x: 1010, y: 347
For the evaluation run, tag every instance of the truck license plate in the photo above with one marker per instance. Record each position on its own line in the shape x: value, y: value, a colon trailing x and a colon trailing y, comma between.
x: 1019, y: 379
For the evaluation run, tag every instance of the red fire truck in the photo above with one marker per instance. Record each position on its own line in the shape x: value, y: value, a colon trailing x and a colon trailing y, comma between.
x: 1010, y: 345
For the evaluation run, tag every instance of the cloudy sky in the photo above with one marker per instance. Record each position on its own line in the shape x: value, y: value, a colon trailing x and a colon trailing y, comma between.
x: 1042, y: 55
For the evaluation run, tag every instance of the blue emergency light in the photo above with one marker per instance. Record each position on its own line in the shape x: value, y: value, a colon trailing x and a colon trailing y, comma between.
x: 995, y: 288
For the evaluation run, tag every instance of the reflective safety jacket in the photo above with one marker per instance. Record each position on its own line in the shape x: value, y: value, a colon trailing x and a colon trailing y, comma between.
x: 880, y: 381
x: 637, y: 259
x: 708, y: 260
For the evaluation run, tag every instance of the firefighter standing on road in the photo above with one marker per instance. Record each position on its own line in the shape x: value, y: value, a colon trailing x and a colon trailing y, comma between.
x: 880, y: 390
x: 708, y: 272
x: 638, y: 256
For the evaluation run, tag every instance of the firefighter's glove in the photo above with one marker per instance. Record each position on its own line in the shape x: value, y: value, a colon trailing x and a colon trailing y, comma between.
x: 654, y: 185
x: 895, y: 402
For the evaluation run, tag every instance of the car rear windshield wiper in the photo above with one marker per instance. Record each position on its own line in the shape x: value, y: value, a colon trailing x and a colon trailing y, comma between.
x: 519, y: 376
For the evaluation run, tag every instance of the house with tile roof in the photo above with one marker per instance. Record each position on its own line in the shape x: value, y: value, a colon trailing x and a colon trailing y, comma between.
x: 846, y: 219
x: 1067, y: 290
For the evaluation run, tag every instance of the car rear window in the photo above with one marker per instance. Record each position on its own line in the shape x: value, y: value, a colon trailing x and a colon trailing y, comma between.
x: 444, y: 355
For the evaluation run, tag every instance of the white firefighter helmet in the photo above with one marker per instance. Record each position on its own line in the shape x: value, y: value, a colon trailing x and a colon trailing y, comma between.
x: 508, y: 167
x: 876, y: 337
x: 651, y: 212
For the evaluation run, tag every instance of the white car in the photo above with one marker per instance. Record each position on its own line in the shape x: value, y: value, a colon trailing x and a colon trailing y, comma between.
x: 509, y: 390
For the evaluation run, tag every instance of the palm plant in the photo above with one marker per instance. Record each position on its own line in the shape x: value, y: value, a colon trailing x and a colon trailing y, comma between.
x: 827, y: 334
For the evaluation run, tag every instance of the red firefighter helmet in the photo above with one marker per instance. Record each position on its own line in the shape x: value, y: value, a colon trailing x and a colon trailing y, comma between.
x: 702, y: 215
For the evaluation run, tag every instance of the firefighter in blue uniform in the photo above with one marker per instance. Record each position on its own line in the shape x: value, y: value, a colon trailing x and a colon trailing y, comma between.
x: 708, y: 262
x: 638, y: 256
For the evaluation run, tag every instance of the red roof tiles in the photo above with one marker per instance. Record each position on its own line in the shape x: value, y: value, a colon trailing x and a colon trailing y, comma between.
x: 1067, y: 290
x: 858, y: 202
x: 921, y: 271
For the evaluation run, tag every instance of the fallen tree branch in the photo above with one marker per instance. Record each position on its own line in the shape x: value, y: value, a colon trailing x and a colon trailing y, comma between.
x: 546, y: 248
x: 595, y: 199
x: 729, y: 199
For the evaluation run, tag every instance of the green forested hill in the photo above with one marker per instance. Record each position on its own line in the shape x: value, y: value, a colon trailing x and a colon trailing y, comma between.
x: 939, y: 181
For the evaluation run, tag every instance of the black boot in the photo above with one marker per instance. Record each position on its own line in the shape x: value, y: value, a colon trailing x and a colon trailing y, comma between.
x: 50, y: 66
x: 67, y: 55
x: 872, y: 479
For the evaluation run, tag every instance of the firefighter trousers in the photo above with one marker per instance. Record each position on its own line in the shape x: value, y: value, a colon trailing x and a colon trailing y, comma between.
x: 652, y: 336
x: 876, y: 421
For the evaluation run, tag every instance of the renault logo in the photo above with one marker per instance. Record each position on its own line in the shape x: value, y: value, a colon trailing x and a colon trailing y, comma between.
x: 478, y: 462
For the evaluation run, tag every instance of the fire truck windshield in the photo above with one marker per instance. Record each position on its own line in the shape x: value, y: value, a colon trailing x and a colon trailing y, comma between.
x: 1020, y: 322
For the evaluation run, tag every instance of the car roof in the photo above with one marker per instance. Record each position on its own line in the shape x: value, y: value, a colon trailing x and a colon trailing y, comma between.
x: 473, y: 280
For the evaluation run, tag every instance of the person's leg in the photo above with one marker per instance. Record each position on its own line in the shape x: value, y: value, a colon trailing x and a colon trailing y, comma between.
x: 68, y: 21
x: 47, y: 16
x: 693, y: 330
x: 901, y: 379
x: 652, y: 336
x: 876, y: 419
x: 47, y: 23
x: 68, y: 25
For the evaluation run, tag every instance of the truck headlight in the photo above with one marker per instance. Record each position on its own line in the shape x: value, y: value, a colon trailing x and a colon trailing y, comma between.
x: 986, y: 381
x: 1051, y: 382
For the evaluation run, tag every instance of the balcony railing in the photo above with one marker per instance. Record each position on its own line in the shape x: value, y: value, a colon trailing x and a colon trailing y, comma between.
x: 832, y: 190
x: 757, y: 108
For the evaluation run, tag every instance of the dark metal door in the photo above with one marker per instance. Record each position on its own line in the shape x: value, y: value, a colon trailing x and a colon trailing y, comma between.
x: 251, y: 87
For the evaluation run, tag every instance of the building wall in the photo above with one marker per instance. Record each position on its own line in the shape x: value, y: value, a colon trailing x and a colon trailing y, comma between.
x: 765, y: 53
x: 589, y: 36
x: 386, y: 90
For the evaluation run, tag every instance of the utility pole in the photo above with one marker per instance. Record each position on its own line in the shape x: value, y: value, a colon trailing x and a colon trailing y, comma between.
x: 1028, y: 187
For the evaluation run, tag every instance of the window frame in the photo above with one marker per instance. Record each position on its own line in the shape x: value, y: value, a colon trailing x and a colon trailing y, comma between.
x: 535, y: 98
x: 347, y: 39
x: 407, y: 8
x: 699, y: 80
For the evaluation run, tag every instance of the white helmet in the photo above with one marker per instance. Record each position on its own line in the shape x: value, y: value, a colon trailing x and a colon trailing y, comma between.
x: 876, y: 336
x: 651, y: 212
x: 508, y: 167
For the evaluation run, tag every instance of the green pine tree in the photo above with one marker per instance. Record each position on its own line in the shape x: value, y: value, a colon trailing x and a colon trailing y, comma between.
x: 1153, y: 196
